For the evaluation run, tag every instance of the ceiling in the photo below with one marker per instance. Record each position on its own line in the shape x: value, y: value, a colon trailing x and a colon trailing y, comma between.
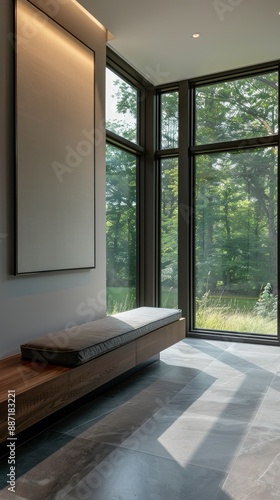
x: 155, y: 36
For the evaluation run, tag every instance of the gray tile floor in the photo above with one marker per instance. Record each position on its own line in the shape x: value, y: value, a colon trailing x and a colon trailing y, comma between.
x: 203, y: 423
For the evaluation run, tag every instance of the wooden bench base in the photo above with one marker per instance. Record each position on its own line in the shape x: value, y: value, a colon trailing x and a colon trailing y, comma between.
x: 42, y: 389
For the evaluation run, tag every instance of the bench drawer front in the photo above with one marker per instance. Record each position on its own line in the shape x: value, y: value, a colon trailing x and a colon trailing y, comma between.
x: 159, y: 340
x: 41, y: 395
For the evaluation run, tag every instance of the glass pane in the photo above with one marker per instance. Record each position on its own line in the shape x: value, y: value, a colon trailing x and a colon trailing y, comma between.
x: 238, y: 109
x: 169, y: 232
x: 120, y: 229
x: 236, y: 241
x: 121, y: 107
x: 169, y: 120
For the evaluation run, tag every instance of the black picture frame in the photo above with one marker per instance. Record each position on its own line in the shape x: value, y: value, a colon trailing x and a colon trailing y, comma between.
x: 54, y: 140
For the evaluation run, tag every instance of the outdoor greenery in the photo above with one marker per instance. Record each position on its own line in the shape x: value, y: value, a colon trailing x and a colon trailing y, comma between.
x: 235, y: 205
x: 169, y: 228
x: 120, y: 299
x: 121, y: 227
x: 236, y: 221
x: 230, y: 320
x: 267, y: 304
x: 236, y: 202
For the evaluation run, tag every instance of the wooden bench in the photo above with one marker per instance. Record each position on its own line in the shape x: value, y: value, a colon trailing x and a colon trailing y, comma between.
x: 41, y: 389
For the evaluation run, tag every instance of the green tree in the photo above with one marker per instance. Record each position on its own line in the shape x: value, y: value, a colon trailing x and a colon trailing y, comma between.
x: 236, y: 196
x: 121, y: 218
x: 169, y: 223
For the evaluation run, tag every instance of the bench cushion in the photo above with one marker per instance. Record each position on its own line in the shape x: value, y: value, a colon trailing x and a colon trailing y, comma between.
x: 79, y: 344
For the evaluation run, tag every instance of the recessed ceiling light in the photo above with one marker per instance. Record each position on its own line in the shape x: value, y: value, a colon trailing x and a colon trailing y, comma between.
x: 196, y: 35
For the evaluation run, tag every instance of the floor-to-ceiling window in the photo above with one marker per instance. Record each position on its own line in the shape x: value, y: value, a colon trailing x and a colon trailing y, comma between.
x: 192, y: 200
x: 169, y: 232
x: 235, y: 179
x: 123, y: 153
x: 168, y: 105
x: 121, y: 233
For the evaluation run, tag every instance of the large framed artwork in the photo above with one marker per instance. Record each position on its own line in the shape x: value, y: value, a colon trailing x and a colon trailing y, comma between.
x: 54, y: 137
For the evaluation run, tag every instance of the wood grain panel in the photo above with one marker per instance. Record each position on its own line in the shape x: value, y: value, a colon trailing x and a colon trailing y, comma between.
x: 160, y: 339
x: 19, y: 375
x: 40, y: 393
x: 42, y: 389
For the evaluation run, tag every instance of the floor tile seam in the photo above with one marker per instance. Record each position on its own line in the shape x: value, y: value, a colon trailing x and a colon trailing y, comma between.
x: 183, y: 467
x: 134, y: 405
x: 245, y: 371
x: 170, y: 459
x: 112, y: 449
x: 262, y: 402
x: 190, y: 409
x: 210, y: 355
x: 17, y: 497
x: 211, y: 346
x: 228, y: 351
x: 194, y: 378
x: 225, y: 418
x: 275, y: 377
x: 212, y: 431
x: 93, y: 419
x: 217, y: 358
x: 202, y: 371
x: 239, y: 453
x: 105, y: 414
x: 215, y: 469
x: 129, y: 406
x: 36, y: 436
x: 175, y: 387
x: 35, y: 452
x: 148, y: 453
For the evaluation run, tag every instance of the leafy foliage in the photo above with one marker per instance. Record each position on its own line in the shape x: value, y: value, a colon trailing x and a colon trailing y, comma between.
x: 237, y: 109
x: 267, y: 303
x: 235, y: 192
x: 235, y: 209
x: 169, y: 120
x: 121, y: 107
x: 169, y: 223
x: 121, y: 218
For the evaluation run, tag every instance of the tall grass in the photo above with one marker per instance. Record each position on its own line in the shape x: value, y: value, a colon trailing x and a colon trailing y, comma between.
x: 229, y: 314
x: 229, y: 320
x: 120, y: 299
x: 237, y: 314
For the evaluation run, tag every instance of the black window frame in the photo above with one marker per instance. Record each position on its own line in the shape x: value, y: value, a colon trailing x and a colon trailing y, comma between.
x: 236, y: 145
x: 146, y: 275
x: 149, y: 184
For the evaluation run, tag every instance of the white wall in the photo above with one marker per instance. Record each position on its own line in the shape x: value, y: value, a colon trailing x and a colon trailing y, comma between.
x: 35, y: 305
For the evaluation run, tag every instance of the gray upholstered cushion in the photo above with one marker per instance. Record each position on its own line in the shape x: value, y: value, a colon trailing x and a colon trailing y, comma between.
x: 79, y: 344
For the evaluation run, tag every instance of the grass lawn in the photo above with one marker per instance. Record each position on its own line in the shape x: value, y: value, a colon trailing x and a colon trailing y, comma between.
x: 226, y: 319
x: 120, y: 299
x: 226, y: 313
